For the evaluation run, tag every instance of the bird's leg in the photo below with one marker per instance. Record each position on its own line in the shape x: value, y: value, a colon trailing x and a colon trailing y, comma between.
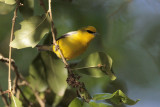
x: 56, y: 47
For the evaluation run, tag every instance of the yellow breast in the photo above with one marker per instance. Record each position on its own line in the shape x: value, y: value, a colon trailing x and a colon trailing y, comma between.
x: 73, y: 45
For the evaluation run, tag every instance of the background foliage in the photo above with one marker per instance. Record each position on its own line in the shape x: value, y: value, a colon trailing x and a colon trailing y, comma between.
x: 128, y: 32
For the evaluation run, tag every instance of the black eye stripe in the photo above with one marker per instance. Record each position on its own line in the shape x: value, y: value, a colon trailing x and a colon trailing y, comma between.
x: 90, y: 31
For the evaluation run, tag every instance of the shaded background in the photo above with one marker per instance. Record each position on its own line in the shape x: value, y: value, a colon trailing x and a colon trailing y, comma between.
x: 128, y: 31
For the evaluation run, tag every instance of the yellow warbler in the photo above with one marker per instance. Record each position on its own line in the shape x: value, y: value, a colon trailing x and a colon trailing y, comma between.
x: 73, y: 43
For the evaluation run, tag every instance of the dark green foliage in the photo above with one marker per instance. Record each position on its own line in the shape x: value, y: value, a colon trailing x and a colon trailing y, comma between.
x: 127, y: 44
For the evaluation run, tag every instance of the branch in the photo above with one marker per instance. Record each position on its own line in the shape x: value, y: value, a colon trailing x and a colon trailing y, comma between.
x: 41, y: 2
x: 4, y: 98
x: 18, y: 76
x: 73, y: 79
x: 98, y: 66
x: 53, y: 34
x: 26, y: 100
x: 16, y: 84
x: 10, y: 49
x: 14, y: 68
x: 40, y: 101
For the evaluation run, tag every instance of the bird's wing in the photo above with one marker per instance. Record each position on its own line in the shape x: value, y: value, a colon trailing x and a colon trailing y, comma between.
x: 67, y: 34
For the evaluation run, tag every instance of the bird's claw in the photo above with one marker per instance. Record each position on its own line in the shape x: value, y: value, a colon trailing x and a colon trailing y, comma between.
x: 56, y: 47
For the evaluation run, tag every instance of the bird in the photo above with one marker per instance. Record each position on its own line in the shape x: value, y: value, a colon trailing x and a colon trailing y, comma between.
x: 72, y: 44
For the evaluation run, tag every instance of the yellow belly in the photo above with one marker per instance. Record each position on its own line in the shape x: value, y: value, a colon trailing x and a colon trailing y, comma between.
x: 70, y: 48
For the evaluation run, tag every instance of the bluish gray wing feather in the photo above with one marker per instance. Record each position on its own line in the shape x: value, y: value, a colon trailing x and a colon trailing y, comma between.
x: 67, y: 34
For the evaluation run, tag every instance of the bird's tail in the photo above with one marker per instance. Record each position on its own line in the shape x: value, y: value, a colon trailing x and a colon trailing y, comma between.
x: 44, y: 47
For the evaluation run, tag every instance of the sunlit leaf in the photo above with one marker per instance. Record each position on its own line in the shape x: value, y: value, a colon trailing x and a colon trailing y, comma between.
x: 56, y: 73
x: 5, y: 8
x: 76, y: 103
x: 8, y: 1
x: 102, y: 96
x: 32, y: 31
x: 37, y: 77
x: 117, y: 97
x: 15, y: 102
x: 98, y: 65
x: 95, y: 104
x: 57, y: 100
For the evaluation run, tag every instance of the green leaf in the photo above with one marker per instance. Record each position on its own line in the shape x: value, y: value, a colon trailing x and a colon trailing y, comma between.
x: 120, y: 98
x: 37, y: 77
x: 56, y: 73
x: 5, y: 8
x: 102, y: 96
x: 38, y: 10
x: 56, y: 100
x: 15, y: 102
x: 27, y: 9
x: 76, y: 103
x: 28, y: 93
x: 94, y: 104
x: 117, y: 97
x: 97, y: 59
x: 32, y: 31
x: 8, y: 1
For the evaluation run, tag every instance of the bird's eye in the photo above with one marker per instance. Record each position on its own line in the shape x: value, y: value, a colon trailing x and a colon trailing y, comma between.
x: 90, y: 31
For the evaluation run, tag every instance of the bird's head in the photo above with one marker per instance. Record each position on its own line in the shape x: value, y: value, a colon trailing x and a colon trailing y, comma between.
x: 90, y: 29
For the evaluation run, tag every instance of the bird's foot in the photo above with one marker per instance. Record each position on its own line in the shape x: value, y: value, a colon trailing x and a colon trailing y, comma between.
x: 56, y: 47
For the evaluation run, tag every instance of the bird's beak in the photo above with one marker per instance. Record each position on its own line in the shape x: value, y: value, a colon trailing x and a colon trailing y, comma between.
x: 96, y: 33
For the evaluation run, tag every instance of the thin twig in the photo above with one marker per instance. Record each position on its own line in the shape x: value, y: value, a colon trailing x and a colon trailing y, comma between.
x: 5, y: 60
x: 53, y: 35
x: 4, y: 98
x: 14, y: 68
x: 73, y: 79
x: 36, y: 94
x: 98, y: 66
x: 18, y: 76
x: 41, y: 2
x: 26, y: 100
x: 41, y: 102
x: 25, y: 82
x: 4, y: 92
x: 10, y: 49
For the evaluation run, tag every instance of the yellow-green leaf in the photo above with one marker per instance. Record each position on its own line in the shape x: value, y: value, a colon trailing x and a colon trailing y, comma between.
x: 10, y: 2
x: 37, y: 75
x: 15, y: 102
x: 32, y: 31
x: 117, y: 97
x: 76, y: 103
x: 5, y: 8
x: 98, y: 64
x: 56, y: 73
x: 120, y: 98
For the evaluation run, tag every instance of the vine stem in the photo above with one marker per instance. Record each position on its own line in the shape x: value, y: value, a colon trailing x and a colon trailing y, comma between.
x: 53, y: 35
x: 4, y: 98
x: 98, y: 66
x: 10, y: 50
x: 72, y: 79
